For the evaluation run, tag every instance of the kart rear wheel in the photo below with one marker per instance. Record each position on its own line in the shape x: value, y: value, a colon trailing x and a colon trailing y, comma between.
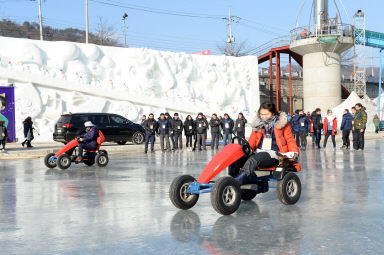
x: 102, y: 159
x: 178, y: 192
x: 248, y: 194
x: 226, y: 195
x: 48, y: 162
x: 64, y: 161
x: 289, y: 189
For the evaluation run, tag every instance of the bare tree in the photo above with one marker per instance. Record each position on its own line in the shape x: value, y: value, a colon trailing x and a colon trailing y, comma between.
x: 104, y: 34
x: 239, y: 49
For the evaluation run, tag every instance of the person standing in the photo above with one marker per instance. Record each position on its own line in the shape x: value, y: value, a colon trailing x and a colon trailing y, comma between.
x: 376, y: 122
x: 177, y: 127
x: 227, y: 125
x: 164, y: 129
x: 28, y: 132
x: 346, y: 127
x: 303, y: 127
x: 189, y: 130
x: 330, y: 128
x: 240, y: 125
x: 359, y: 126
x: 150, y: 126
x: 201, y: 127
x: 295, y: 127
x: 3, y: 135
x: 317, y: 125
x: 171, y: 135
x: 220, y: 128
x: 143, y: 119
x: 214, y: 123
x: 313, y: 135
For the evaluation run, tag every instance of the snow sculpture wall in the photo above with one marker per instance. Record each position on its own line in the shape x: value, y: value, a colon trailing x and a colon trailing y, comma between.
x: 56, y: 77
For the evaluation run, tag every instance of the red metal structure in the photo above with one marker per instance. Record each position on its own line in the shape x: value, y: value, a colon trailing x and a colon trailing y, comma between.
x: 275, y: 53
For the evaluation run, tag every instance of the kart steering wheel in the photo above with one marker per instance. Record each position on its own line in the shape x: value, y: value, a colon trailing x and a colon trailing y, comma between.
x: 244, y: 145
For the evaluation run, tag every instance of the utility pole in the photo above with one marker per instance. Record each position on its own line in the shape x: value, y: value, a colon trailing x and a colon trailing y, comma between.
x: 125, y: 28
x: 86, y: 21
x: 41, y: 22
x: 230, y: 38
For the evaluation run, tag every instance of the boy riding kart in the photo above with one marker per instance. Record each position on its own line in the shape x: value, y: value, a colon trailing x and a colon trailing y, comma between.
x: 88, y: 141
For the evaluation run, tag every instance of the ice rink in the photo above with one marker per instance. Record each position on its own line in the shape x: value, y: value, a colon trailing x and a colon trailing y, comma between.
x: 125, y: 209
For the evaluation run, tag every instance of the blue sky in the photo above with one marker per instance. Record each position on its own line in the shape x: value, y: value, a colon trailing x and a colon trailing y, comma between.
x: 261, y: 20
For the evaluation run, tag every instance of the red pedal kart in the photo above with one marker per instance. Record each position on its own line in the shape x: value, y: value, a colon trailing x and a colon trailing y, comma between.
x: 63, y: 158
x: 226, y: 192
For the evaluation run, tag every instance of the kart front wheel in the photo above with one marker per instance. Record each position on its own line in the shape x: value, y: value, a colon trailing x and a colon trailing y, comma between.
x: 49, y: 161
x: 289, y: 189
x: 226, y: 195
x: 178, y: 192
x: 64, y: 161
x: 102, y: 159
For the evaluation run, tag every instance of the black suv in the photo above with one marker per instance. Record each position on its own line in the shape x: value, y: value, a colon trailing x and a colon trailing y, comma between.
x: 114, y: 127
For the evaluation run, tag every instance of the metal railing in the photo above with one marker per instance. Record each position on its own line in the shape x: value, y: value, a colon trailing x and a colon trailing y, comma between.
x: 324, y: 30
x: 274, y: 43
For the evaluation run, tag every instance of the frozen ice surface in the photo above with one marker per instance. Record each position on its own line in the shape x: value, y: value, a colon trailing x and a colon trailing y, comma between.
x: 124, y: 208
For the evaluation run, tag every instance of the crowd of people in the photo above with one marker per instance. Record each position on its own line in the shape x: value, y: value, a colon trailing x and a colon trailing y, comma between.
x: 354, y: 122
x: 170, y: 130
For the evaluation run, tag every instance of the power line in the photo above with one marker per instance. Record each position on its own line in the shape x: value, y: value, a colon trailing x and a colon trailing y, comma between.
x: 158, y: 11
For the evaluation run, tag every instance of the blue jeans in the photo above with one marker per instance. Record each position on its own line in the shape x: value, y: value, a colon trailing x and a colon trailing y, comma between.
x: 149, y: 139
x: 227, y: 139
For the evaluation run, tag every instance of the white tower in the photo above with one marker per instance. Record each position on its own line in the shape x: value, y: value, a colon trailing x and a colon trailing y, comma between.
x: 320, y: 45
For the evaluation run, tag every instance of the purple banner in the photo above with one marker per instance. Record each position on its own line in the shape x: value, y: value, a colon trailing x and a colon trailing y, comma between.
x: 7, y: 110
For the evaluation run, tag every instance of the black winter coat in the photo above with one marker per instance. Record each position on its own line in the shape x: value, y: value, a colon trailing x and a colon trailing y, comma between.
x: 317, y: 121
x: 189, y: 127
x: 227, y: 125
x: 215, y: 125
x: 150, y: 126
x: 240, y: 125
x: 177, y: 126
x: 164, y: 127
x: 201, y: 125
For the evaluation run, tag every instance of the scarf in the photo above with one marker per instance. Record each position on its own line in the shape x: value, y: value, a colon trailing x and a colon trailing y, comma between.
x: 260, y: 123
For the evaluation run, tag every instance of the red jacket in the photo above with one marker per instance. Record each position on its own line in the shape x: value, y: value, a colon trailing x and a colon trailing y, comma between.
x: 334, y: 126
x: 284, y: 137
x: 310, y: 120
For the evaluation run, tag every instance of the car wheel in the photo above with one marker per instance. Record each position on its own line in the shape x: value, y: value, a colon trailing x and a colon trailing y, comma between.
x: 102, y: 159
x: 178, y: 192
x: 121, y: 142
x: 138, y: 137
x: 289, y: 189
x: 226, y: 195
x: 64, y: 161
x: 49, y: 162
